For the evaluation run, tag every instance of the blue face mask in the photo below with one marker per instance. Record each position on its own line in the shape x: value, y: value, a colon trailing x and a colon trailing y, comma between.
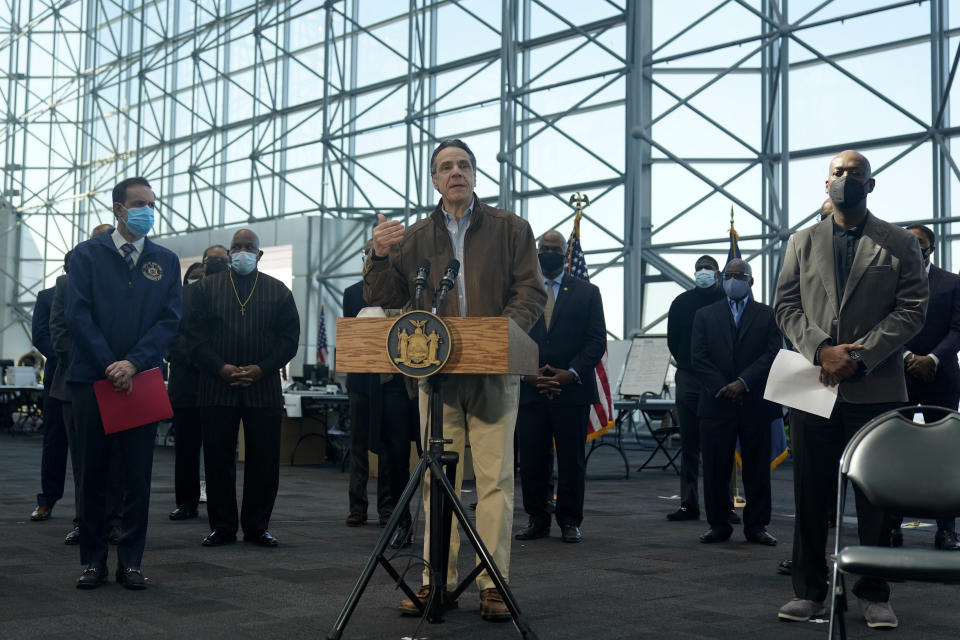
x: 243, y: 262
x: 736, y: 289
x: 140, y: 221
x: 705, y: 278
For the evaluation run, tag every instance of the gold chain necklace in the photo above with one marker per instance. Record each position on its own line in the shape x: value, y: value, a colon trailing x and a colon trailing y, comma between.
x: 243, y: 305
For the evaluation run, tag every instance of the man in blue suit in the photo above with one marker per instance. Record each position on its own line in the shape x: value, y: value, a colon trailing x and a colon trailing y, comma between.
x: 53, y: 462
x: 930, y: 361
x: 734, y: 343
x: 555, y: 404
x: 123, y: 309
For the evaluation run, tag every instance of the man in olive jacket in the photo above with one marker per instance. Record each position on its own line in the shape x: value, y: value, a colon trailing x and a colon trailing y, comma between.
x: 851, y: 293
x: 499, y: 276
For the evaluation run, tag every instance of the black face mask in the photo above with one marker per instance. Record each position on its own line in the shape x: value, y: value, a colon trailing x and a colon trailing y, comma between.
x: 551, y: 262
x: 216, y: 265
x: 846, y: 193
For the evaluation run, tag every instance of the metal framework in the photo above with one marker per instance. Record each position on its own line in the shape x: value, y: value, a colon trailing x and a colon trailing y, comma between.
x: 242, y: 111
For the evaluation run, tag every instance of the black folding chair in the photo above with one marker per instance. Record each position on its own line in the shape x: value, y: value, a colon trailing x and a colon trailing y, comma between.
x: 905, y: 469
x: 661, y: 435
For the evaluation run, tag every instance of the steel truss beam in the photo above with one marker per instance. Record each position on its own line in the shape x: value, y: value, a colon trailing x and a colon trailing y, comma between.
x: 245, y: 111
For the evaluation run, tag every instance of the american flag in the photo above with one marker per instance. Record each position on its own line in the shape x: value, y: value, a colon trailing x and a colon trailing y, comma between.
x: 601, y: 414
x: 322, y: 351
x: 778, y: 436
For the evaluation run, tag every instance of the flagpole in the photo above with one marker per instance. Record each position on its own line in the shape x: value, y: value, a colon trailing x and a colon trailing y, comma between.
x: 738, y: 501
x: 579, y: 200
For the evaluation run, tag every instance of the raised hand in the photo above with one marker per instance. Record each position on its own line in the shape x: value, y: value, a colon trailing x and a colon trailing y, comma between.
x: 386, y: 234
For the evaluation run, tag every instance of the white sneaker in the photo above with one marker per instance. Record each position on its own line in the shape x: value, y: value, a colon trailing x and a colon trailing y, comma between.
x: 879, y: 615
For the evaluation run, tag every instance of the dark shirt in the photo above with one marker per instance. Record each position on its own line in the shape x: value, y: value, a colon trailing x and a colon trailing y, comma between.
x: 265, y: 334
x: 680, y: 321
x: 845, y: 243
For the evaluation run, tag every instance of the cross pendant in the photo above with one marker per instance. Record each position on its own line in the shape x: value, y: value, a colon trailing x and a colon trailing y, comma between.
x: 243, y: 312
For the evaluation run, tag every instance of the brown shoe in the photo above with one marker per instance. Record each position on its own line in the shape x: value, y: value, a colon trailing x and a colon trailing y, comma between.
x: 492, y: 606
x: 356, y: 519
x: 408, y: 608
x: 42, y: 512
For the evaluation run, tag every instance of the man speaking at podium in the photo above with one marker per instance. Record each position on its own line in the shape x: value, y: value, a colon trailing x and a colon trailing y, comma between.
x: 499, y: 276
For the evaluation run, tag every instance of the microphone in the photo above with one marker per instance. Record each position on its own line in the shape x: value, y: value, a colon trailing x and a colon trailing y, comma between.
x: 420, y: 280
x: 446, y: 282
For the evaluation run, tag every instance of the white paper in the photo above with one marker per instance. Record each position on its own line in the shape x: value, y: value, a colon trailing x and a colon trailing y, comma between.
x: 795, y: 383
x: 646, y: 366
x: 372, y: 312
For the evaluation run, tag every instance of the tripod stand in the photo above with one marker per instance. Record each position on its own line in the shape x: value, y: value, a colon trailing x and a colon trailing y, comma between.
x: 441, y: 465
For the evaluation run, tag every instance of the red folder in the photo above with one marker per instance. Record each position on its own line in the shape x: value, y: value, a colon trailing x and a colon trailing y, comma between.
x: 147, y: 403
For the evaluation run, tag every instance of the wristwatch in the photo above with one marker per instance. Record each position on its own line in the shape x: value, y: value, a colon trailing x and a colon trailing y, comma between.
x: 856, y: 356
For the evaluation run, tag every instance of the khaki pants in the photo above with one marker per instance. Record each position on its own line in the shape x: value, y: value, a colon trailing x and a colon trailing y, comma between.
x: 483, y: 408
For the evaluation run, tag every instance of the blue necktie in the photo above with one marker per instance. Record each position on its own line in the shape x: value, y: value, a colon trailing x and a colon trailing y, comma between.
x: 128, y: 250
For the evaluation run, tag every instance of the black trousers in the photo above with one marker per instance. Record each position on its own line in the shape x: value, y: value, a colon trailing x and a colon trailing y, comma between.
x: 360, y: 461
x: 66, y: 410
x: 261, y: 469
x: 128, y: 454
x: 688, y: 396
x: 539, y: 425
x: 818, y: 444
x: 399, y: 425
x: 718, y: 441
x: 188, y: 427
x: 53, y: 460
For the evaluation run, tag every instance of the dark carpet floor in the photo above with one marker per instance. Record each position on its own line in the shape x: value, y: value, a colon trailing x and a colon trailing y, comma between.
x: 634, y: 576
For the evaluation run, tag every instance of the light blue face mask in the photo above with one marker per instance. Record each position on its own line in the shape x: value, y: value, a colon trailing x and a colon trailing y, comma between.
x: 705, y: 278
x: 140, y: 221
x: 243, y: 262
x: 736, y: 289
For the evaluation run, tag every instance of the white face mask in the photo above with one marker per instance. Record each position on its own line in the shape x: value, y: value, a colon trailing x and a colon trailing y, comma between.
x: 705, y: 278
x: 243, y: 262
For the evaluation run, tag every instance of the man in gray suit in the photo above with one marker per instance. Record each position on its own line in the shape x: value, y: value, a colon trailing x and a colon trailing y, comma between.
x: 851, y: 292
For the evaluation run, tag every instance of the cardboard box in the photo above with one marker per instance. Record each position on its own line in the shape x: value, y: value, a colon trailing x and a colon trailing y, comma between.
x: 312, y: 447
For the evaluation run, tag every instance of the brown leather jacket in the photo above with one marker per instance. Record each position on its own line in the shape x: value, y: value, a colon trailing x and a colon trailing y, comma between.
x: 502, y: 271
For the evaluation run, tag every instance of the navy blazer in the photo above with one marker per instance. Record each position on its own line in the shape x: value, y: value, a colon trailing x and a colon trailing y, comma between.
x: 577, y: 340
x: 184, y: 380
x: 940, y: 334
x: 41, y: 334
x: 352, y: 303
x: 722, y: 352
x: 60, y: 338
x: 116, y: 313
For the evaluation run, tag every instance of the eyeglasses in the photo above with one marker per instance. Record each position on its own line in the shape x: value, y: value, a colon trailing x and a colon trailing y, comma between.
x: 736, y: 276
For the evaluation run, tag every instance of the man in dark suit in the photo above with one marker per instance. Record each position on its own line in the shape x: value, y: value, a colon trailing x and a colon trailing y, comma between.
x: 123, y: 308
x: 53, y: 461
x: 734, y: 343
x: 384, y: 418
x: 182, y: 388
x: 60, y: 339
x: 852, y: 291
x: 679, y: 334
x: 555, y: 404
x: 243, y: 327
x: 930, y: 361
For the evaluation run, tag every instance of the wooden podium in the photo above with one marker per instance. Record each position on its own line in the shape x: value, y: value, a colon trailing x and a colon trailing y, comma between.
x: 477, y: 346
x: 480, y: 345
